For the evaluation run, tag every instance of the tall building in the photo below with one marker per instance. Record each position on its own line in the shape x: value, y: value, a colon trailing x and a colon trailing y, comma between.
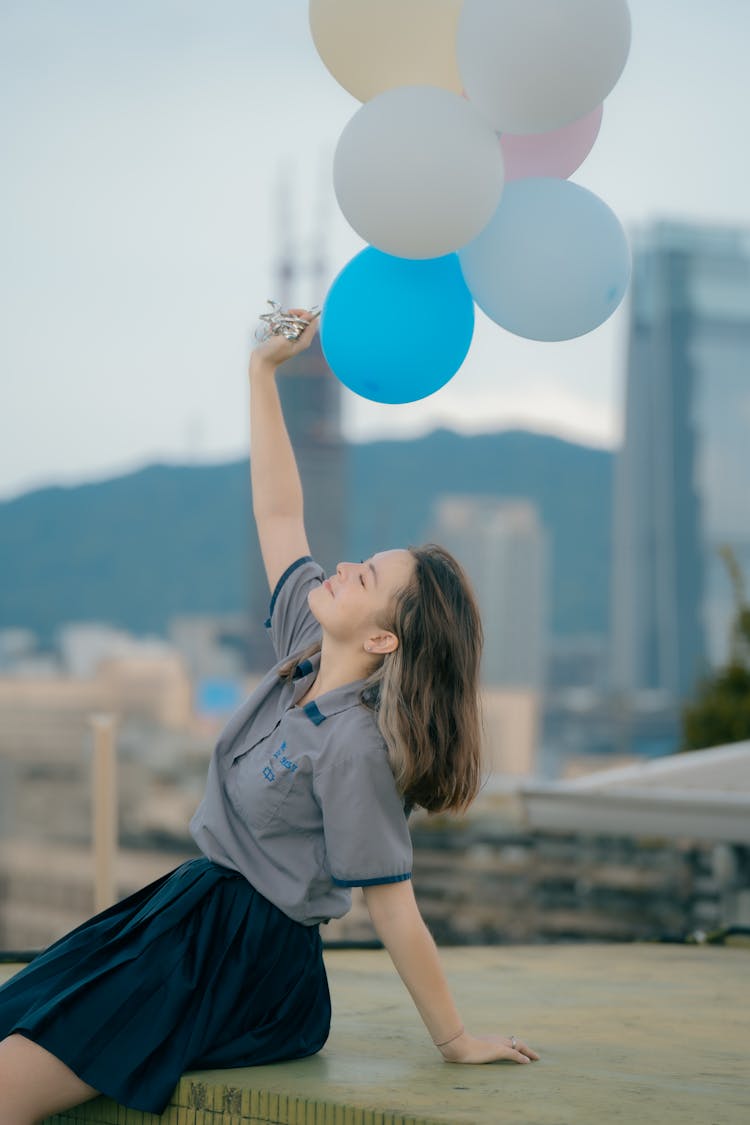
x: 311, y: 399
x: 503, y: 548
x: 681, y: 483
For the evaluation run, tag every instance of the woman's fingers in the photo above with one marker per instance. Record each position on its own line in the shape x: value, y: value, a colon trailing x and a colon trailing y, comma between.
x: 305, y: 314
x: 490, y: 1048
x: 522, y: 1054
x: 277, y: 348
x: 305, y: 337
x: 521, y: 1051
x: 310, y: 329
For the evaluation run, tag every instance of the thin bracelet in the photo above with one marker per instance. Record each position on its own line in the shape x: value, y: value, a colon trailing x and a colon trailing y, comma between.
x: 447, y: 1041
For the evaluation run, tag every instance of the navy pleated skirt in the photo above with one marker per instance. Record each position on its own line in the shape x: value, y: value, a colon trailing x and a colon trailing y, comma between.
x: 195, y: 970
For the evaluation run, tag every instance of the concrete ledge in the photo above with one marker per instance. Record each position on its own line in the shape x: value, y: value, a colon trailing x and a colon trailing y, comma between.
x: 646, y: 1033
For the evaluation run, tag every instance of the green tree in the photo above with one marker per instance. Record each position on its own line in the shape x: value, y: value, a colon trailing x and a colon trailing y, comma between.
x: 720, y: 711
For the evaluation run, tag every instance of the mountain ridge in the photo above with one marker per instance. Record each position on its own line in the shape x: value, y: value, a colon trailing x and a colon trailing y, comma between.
x: 75, y: 552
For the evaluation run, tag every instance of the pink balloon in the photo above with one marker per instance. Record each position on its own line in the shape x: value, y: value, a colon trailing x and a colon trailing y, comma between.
x: 556, y: 154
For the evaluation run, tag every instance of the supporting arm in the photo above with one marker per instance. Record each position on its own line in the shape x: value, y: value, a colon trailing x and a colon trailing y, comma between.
x: 401, y: 928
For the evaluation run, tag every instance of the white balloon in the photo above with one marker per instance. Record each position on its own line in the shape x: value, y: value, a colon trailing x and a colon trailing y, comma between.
x: 535, y: 65
x: 373, y: 45
x: 418, y: 172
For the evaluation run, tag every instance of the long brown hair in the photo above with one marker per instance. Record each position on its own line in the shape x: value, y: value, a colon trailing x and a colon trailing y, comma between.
x: 426, y: 692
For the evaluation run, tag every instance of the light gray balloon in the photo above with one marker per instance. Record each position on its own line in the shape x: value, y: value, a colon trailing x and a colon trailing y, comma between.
x: 552, y: 264
x: 531, y: 66
x: 418, y: 172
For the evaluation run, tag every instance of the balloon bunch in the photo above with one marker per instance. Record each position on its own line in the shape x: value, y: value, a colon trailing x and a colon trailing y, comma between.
x: 454, y: 170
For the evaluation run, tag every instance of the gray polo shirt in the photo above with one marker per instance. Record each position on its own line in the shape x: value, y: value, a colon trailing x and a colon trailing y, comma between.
x: 301, y: 800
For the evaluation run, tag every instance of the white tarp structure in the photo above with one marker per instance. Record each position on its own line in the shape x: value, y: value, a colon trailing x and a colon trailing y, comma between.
x: 703, y: 794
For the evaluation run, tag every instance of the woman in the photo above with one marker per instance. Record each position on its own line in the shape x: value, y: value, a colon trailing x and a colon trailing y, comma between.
x: 371, y: 708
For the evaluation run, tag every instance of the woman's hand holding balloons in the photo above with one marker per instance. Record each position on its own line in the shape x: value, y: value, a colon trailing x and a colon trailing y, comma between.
x: 276, y: 349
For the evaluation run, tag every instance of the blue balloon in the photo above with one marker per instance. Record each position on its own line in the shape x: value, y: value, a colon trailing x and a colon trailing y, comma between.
x: 553, y: 262
x: 397, y: 329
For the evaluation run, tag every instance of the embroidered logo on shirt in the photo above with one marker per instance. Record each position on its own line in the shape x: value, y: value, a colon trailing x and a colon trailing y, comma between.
x: 279, y: 756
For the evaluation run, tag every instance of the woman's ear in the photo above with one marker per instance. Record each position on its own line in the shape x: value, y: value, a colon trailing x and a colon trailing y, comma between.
x: 381, y: 643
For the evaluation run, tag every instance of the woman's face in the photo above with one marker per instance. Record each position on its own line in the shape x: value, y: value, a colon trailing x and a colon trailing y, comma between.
x: 352, y: 601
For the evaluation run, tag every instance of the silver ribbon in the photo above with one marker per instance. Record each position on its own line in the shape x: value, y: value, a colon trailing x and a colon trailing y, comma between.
x: 279, y: 322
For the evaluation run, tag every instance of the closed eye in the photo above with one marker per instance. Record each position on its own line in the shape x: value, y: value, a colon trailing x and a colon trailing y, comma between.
x: 361, y: 577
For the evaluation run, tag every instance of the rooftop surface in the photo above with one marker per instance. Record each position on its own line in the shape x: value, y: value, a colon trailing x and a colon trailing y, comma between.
x: 635, y: 1033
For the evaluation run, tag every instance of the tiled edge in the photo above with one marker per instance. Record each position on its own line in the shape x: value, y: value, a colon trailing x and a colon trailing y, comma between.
x: 205, y: 1103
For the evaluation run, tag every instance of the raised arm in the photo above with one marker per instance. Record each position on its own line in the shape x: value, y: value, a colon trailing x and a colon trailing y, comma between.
x: 399, y: 925
x: 274, y: 477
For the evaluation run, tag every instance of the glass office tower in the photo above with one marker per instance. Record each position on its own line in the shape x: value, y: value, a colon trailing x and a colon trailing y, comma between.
x: 682, y: 482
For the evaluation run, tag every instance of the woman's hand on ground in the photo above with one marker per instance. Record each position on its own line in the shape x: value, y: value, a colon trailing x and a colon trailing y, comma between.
x: 277, y: 349
x: 486, y: 1048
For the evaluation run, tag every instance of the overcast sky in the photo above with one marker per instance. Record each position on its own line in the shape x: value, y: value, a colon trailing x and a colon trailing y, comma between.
x: 143, y: 146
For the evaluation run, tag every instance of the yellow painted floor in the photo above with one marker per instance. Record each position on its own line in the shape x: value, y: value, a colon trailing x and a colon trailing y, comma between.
x: 634, y: 1033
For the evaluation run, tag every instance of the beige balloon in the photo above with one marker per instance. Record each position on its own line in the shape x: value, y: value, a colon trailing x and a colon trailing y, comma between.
x: 373, y: 45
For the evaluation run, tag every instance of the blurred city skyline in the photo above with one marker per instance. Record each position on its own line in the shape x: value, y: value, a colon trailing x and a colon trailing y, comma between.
x: 144, y: 156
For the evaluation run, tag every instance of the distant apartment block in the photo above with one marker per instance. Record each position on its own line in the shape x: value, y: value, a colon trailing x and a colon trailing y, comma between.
x: 83, y: 645
x: 503, y: 548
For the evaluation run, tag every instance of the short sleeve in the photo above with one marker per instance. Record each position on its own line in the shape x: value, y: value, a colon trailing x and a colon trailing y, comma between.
x: 291, y: 622
x: 366, y: 834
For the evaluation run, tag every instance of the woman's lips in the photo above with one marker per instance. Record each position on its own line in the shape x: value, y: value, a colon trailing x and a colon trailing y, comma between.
x: 328, y: 587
